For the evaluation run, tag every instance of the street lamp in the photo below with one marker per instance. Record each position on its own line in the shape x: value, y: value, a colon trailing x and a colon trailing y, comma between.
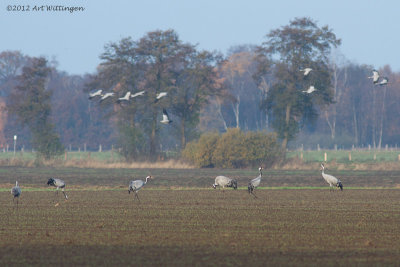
x: 15, y: 143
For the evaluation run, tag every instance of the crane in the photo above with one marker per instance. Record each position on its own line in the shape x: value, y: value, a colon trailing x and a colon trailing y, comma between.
x: 254, y: 183
x: 124, y: 98
x: 58, y: 183
x: 330, y: 179
x: 160, y: 95
x: 375, y: 76
x: 106, y: 95
x: 136, y: 185
x: 224, y: 182
x: 165, y: 119
x: 384, y: 81
x: 95, y: 94
x: 16, y: 192
x: 310, y: 89
x: 141, y: 93
x: 306, y: 71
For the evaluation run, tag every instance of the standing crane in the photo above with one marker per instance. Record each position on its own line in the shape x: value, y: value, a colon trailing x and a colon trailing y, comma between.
x: 254, y: 183
x: 16, y: 192
x: 330, y: 179
x: 58, y: 183
x: 136, y: 185
x: 224, y: 182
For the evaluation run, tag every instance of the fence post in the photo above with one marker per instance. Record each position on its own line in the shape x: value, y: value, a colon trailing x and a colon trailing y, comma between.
x: 374, y: 156
x: 325, y: 157
x: 100, y: 148
x: 301, y: 155
x: 349, y: 156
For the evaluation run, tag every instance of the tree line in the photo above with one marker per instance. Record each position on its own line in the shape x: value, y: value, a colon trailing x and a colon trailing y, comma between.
x: 253, y: 87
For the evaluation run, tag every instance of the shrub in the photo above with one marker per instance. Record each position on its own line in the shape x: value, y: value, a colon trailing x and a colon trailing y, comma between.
x: 234, y: 149
x: 230, y: 150
x: 201, y: 152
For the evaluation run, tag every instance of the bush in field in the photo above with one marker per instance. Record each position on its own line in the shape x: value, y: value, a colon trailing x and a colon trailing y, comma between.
x: 230, y: 150
x: 234, y: 149
x: 262, y: 149
x: 201, y: 152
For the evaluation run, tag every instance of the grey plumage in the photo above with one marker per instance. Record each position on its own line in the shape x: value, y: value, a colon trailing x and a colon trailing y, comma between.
x: 330, y: 179
x: 136, y: 185
x: 58, y: 183
x: 254, y: 183
x: 16, y: 191
x: 224, y: 182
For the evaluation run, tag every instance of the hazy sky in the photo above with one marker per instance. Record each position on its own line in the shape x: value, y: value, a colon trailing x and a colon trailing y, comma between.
x: 370, y: 30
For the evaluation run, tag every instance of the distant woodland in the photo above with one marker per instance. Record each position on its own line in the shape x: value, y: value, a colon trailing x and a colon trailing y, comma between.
x: 207, y: 92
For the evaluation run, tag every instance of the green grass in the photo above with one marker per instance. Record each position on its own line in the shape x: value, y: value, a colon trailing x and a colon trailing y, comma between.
x: 342, y: 156
x: 106, y: 156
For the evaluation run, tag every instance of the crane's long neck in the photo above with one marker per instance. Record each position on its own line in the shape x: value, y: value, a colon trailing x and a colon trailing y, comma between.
x: 145, y: 182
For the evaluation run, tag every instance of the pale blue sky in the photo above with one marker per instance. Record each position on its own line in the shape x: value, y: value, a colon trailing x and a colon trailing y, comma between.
x: 370, y: 30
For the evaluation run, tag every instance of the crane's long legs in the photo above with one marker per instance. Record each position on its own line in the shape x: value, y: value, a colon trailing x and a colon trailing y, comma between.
x: 14, y: 202
x: 137, y: 196
x: 254, y: 194
x: 65, y: 195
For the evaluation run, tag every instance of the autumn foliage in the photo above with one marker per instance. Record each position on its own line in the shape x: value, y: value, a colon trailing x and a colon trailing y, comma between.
x: 234, y: 149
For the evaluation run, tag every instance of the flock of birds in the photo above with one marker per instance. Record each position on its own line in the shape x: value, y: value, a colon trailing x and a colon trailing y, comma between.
x: 221, y: 181
x: 102, y: 96
x: 134, y: 186
x: 224, y: 181
x: 376, y: 79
